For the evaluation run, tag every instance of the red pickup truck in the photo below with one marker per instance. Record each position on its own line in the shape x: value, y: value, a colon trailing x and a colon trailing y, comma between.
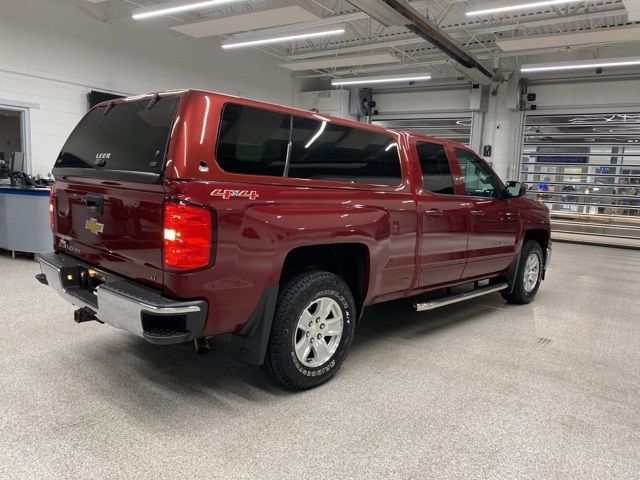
x: 188, y: 216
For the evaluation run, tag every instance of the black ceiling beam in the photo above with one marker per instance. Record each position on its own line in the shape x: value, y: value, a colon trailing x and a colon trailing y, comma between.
x: 428, y: 30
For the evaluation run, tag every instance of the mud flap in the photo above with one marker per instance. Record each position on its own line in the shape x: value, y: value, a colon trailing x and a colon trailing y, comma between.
x: 510, y: 277
x: 250, y: 345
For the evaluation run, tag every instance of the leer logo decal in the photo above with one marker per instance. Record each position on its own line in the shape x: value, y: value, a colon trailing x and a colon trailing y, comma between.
x: 227, y: 194
x: 93, y: 226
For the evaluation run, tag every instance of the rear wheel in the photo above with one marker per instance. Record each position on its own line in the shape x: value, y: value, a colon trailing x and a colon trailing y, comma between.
x: 312, y: 330
x: 529, y: 275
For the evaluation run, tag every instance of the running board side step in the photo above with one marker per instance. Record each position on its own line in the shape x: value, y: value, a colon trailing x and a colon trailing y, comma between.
x: 421, y: 307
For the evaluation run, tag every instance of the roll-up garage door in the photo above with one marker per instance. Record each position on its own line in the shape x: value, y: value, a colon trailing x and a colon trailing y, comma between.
x: 586, y: 169
x: 456, y: 127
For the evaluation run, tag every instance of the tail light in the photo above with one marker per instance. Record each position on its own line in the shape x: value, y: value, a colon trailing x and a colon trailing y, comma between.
x: 52, y: 209
x: 188, y: 236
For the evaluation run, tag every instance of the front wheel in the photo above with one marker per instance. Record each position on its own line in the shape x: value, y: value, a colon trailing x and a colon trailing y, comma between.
x: 312, y: 330
x: 529, y: 275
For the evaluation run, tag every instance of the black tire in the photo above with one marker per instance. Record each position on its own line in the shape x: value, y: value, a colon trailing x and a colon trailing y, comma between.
x: 282, y: 362
x: 519, y: 293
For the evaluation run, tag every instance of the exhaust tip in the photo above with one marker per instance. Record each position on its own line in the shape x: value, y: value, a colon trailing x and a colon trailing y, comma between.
x: 202, y: 345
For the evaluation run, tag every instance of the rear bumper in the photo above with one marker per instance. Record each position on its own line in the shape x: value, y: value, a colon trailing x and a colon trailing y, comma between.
x: 122, y: 303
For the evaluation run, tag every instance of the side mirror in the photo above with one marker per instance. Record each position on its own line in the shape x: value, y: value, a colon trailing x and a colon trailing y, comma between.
x: 515, y: 189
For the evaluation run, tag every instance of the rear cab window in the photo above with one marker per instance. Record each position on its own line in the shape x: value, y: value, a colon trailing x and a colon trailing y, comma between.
x: 124, y: 140
x: 255, y: 141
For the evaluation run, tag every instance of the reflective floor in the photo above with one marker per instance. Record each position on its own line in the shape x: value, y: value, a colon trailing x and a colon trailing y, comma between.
x: 474, y: 390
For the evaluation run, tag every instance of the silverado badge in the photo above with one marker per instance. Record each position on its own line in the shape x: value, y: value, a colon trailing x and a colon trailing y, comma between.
x: 93, y: 226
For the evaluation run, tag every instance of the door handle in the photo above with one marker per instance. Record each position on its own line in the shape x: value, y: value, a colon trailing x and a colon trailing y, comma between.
x: 477, y: 213
x: 434, y: 212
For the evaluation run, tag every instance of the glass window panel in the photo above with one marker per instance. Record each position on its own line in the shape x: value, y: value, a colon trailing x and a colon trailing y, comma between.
x: 328, y: 151
x: 436, y: 171
x: 128, y: 137
x: 478, y: 180
x: 253, y: 141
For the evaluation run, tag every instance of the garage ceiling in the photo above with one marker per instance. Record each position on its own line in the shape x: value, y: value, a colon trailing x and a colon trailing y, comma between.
x: 246, y: 21
x: 368, y: 46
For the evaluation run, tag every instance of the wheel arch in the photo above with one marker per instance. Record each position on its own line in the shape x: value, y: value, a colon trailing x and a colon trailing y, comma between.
x: 350, y: 261
x: 540, y: 235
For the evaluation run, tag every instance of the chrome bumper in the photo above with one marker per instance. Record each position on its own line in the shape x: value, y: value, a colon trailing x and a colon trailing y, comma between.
x: 121, y: 303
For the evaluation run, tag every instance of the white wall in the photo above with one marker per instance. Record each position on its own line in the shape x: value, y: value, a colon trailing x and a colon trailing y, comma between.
x: 437, y: 100
x: 52, y: 53
x: 330, y: 102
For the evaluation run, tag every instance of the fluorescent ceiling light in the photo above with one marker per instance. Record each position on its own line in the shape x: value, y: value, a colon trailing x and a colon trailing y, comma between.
x: 385, y: 79
x: 249, y: 21
x: 283, y: 38
x: 580, y: 65
x: 521, y: 6
x: 175, y: 7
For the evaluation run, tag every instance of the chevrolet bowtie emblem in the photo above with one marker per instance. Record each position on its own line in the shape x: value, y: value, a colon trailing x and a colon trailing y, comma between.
x: 93, y: 226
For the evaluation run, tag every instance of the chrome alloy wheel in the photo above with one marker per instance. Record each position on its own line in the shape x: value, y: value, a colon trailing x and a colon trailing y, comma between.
x: 531, y: 272
x: 318, y: 332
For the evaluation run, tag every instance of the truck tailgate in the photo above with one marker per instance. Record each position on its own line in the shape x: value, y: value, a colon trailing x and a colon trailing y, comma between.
x: 114, y: 225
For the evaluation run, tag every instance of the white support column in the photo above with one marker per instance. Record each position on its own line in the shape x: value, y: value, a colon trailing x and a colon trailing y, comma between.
x: 515, y: 158
x: 477, y: 129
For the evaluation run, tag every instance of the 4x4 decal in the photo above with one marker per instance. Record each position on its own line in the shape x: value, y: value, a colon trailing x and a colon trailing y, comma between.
x: 227, y: 194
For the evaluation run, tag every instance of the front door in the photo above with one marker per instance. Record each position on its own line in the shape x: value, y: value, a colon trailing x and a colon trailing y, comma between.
x: 494, y: 223
x: 443, y: 219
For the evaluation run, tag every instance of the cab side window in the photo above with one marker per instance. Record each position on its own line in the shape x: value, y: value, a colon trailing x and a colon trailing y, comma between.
x: 478, y: 180
x: 436, y: 172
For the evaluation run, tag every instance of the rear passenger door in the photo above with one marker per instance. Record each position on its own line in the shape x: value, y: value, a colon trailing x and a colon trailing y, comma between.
x: 443, y: 218
x: 494, y: 222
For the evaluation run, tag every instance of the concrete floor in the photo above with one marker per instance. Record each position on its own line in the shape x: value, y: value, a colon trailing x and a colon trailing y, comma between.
x: 475, y: 390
